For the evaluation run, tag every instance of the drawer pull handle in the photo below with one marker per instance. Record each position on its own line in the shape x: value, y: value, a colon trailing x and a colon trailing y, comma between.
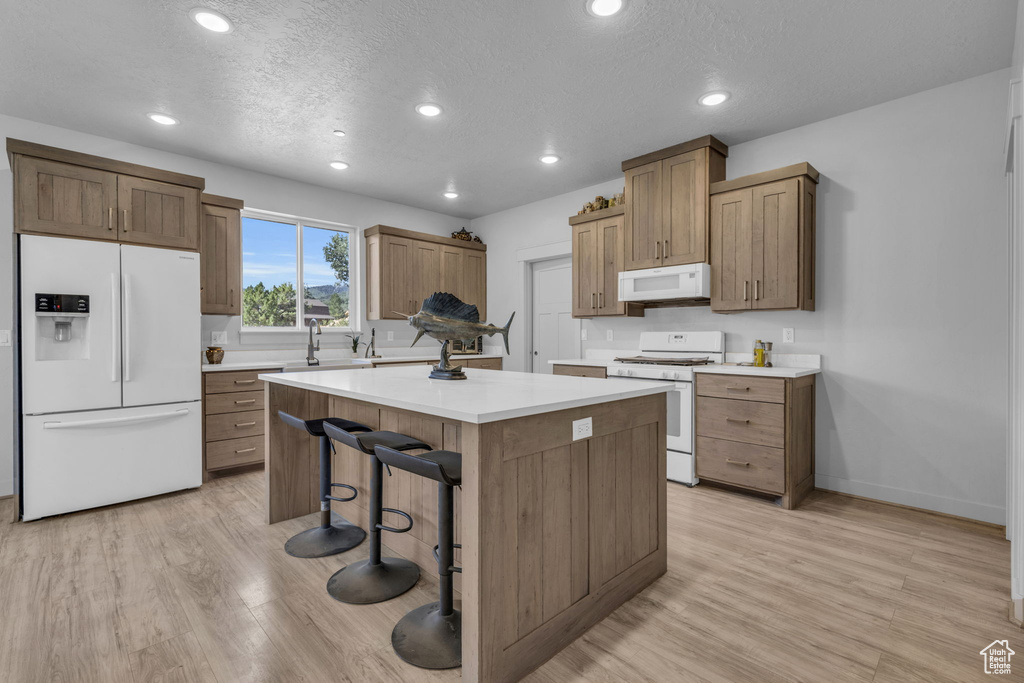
x: 239, y: 403
x: 737, y: 388
x: 732, y: 419
x: 244, y: 424
x: 737, y: 462
x: 246, y: 450
x: 245, y: 381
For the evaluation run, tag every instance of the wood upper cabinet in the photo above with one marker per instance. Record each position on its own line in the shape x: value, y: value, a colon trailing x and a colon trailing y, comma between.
x: 403, y: 268
x: 61, y: 199
x: 666, y: 222
x: 762, y: 241
x: 69, y: 194
x: 220, y: 256
x: 597, y: 257
x: 158, y: 214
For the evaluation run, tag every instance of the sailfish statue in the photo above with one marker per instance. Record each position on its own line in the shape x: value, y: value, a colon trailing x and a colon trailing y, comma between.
x: 446, y: 318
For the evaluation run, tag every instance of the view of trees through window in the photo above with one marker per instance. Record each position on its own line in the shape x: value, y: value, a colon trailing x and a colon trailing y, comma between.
x: 271, y: 274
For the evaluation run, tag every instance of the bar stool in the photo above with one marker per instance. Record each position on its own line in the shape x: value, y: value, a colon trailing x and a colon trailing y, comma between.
x: 378, y: 578
x: 430, y: 636
x: 326, y: 539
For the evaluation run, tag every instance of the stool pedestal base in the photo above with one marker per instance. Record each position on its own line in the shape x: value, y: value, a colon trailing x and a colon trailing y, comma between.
x: 323, y: 541
x: 362, y: 583
x: 428, y: 640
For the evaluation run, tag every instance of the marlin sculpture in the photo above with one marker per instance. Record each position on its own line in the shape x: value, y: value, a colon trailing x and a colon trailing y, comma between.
x: 446, y: 318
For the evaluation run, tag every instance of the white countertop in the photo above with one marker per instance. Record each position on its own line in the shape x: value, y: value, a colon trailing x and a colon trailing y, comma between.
x: 486, y: 396
x: 753, y: 371
x: 335, y: 362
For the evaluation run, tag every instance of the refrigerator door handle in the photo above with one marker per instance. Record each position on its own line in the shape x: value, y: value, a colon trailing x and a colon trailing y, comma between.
x: 116, y: 420
x: 127, y: 321
x: 115, y: 332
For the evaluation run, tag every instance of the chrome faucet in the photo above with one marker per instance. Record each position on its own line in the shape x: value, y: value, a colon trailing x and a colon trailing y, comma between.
x: 311, y: 358
x: 371, y: 348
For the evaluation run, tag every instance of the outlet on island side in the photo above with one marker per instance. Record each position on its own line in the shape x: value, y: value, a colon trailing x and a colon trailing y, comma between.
x: 582, y: 429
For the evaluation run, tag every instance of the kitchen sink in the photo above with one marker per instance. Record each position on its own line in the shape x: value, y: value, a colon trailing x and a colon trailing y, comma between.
x: 336, y: 364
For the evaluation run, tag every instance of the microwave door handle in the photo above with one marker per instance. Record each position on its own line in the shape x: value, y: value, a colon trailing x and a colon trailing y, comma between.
x: 115, y: 329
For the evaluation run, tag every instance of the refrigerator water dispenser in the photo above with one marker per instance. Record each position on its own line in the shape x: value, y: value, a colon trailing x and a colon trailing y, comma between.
x: 62, y: 326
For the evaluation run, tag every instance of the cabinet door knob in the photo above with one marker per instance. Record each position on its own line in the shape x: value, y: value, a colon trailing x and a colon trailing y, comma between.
x: 664, y: 251
x: 757, y: 290
x: 110, y: 218
x: 745, y: 284
x: 593, y: 300
x: 124, y: 219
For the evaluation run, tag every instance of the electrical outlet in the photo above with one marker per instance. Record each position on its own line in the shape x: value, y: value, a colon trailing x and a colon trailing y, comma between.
x: 219, y: 338
x: 5, y: 337
x: 608, y: 335
x: 391, y: 335
x: 788, y: 335
x: 583, y: 334
x: 582, y: 429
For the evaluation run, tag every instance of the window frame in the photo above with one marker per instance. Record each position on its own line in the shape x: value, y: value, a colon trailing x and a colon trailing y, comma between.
x: 355, y: 271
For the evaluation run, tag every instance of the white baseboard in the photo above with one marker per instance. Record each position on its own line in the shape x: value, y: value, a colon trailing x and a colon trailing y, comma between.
x: 926, y: 501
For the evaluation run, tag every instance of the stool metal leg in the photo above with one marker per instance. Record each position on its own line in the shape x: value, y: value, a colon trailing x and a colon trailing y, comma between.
x: 326, y: 539
x: 378, y: 578
x: 430, y: 636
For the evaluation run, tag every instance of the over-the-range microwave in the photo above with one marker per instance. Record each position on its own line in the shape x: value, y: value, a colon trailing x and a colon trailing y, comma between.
x: 692, y: 281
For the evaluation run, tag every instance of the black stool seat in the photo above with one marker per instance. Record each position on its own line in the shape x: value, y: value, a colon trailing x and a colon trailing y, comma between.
x: 430, y: 636
x: 444, y: 467
x: 367, y: 441
x: 329, y: 538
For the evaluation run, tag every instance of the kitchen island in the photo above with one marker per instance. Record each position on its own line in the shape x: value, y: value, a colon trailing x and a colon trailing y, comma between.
x: 556, y: 533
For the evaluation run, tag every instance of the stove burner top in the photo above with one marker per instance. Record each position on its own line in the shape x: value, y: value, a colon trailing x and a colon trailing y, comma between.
x: 654, y: 360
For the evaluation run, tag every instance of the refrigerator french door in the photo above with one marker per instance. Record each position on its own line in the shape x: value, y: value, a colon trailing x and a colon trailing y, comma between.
x: 110, y: 376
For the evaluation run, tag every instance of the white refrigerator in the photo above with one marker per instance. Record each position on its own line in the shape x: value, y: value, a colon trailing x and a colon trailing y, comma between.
x: 110, y: 373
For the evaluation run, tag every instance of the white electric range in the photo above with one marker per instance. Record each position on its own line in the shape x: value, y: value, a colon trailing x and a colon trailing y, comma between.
x: 670, y: 357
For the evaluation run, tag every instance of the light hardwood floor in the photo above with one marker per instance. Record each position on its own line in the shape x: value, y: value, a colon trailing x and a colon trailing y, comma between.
x: 194, y: 587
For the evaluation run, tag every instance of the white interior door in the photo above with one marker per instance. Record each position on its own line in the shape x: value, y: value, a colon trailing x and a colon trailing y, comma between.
x: 82, y: 372
x: 556, y: 334
x: 161, y: 325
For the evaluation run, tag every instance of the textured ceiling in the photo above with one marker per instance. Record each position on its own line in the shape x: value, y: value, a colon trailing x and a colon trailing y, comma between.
x: 516, y: 78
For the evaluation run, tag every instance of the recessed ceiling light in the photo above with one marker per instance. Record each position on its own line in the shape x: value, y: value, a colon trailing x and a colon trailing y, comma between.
x: 451, y: 195
x: 162, y: 119
x: 211, y: 20
x: 428, y: 109
x: 713, y: 99
x: 340, y: 165
x: 340, y: 133
x: 549, y: 159
x: 604, y: 8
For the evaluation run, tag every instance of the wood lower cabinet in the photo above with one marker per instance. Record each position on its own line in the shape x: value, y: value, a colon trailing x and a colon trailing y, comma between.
x: 403, y: 268
x: 68, y: 194
x: 234, y: 420
x: 597, y: 258
x: 757, y: 433
x: 220, y: 256
x: 666, y: 219
x: 762, y: 241
x: 480, y: 363
x: 580, y: 371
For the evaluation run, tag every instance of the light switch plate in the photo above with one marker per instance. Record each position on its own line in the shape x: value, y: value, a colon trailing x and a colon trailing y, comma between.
x: 218, y: 338
x: 391, y: 335
x: 5, y: 337
x: 788, y: 335
x: 582, y: 429
x: 608, y: 335
x: 583, y: 334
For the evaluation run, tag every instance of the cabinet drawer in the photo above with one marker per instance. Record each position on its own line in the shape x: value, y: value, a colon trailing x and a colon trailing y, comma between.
x: 746, y: 421
x: 234, y: 452
x: 742, y: 464
x: 243, y: 380
x: 234, y: 425
x: 580, y: 371
x: 742, y: 387
x: 482, y: 363
x: 234, y: 402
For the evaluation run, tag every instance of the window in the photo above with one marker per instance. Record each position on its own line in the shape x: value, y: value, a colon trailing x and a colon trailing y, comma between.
x: 282, y: 256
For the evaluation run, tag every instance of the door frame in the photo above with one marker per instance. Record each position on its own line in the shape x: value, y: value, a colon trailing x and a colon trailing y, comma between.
x: 526, y: 259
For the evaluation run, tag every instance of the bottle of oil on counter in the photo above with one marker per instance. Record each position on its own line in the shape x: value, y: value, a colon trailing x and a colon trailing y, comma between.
x: 759, y: 353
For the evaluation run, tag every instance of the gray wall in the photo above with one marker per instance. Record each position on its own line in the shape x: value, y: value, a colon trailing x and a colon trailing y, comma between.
x: 912, y: 293
x: 259, y: 192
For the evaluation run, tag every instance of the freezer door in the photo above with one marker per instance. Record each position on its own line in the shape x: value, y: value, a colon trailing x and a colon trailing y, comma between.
x: 75, y: 461
x: 82, y: 372
x: 161, y: 325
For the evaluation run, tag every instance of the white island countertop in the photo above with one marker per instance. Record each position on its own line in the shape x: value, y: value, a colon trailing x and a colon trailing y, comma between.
x: 486, y: 396
x: 361, y: 361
